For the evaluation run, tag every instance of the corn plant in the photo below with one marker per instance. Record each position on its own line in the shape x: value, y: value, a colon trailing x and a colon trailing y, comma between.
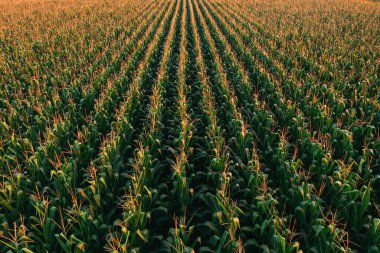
x: 189, y: 126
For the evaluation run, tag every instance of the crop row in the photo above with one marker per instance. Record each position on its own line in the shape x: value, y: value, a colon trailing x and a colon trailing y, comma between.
x: 188, y: 126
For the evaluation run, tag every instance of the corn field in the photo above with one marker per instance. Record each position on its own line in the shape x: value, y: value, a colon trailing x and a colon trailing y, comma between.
x: 189, y: 126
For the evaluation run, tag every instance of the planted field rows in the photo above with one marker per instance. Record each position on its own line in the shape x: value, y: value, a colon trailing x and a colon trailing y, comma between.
x: 190, y: 126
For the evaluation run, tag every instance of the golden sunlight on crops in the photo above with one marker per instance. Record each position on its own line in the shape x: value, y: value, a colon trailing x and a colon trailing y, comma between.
x: 190, y: 126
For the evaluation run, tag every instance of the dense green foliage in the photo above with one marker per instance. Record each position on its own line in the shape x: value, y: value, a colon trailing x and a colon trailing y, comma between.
x: 190, y: 126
